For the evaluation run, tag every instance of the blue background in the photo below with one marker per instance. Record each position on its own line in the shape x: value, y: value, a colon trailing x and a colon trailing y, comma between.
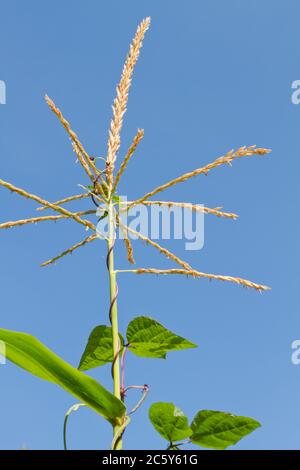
x: 212, y: 76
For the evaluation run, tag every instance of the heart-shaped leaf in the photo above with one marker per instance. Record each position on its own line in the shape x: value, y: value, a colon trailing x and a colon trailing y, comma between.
x: 219, y: 430
x: 148, y: 338
x: 29, y: 354
x: 169, y: 421
x: 99, y: 348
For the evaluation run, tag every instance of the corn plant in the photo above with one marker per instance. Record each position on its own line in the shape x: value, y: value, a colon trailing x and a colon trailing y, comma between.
x: 145, y: 337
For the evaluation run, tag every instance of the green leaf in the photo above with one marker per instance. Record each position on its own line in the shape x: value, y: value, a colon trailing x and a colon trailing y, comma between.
x: 169, y: 421
x: 99, y: 349
x: 116, y: 198
x: 29, y: 354
x: 219, y: 430
x: 148, y: 338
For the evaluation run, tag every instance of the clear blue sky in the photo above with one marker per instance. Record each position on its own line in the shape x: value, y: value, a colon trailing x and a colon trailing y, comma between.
x: 212, y: 76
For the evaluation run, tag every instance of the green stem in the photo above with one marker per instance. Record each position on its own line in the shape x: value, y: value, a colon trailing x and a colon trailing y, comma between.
x: 118, y: 435
x: 73, y: 408
x: 114, y: 315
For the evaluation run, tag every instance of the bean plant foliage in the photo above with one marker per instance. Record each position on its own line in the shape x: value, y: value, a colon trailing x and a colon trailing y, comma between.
x: 145, y: 337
